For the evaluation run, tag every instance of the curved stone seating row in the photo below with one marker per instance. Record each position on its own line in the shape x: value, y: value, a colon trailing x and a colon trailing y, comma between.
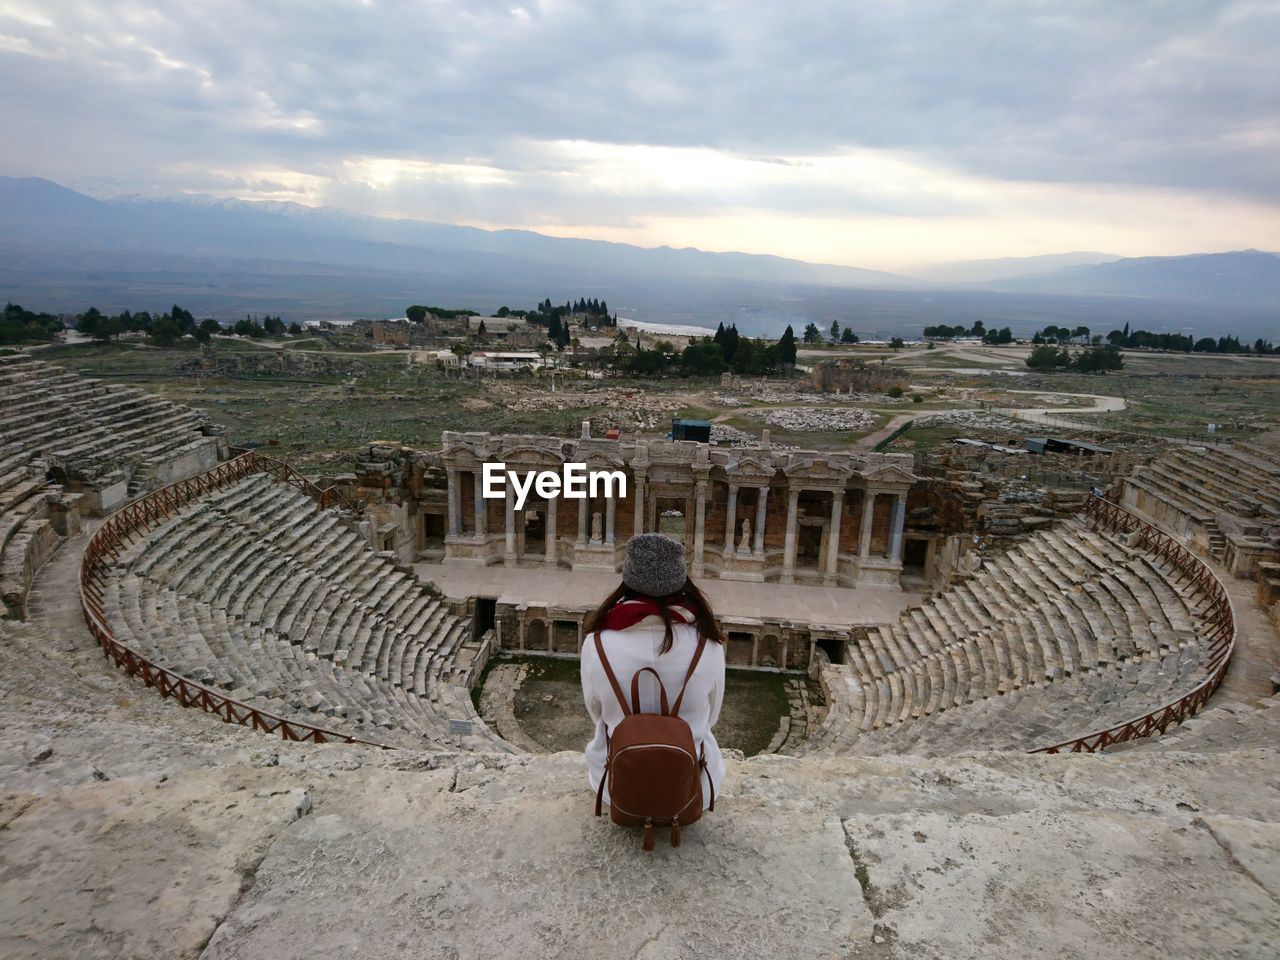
x: 96, y: 433
x: 1068, y: 630
x: 107, y: 442
x: 1240, y: 479
x: 254, y: 591
x: 26, y: 537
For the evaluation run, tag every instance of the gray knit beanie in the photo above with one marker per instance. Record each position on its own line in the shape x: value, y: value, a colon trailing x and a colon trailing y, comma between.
x: 654, y: 565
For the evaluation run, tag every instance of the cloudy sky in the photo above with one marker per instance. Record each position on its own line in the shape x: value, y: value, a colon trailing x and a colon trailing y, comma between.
x: 879, y: 134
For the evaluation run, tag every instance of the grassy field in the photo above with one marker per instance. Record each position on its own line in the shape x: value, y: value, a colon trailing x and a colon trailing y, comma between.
x: 309, y: 415
x: 310, y: 419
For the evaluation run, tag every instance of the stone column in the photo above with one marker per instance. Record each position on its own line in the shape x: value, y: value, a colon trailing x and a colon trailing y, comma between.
x: 755, y: 650
x: 510, y: 558
x: 550, y: 527
x: 479, y: 507
x: 454, y: 508
x: 610, y: 511
x: 699, y: 526
x: 761, y: 513
x: 833, y: 538
x: 899, y: 521
x: 789, y: 544
x: 730, y: 519
x: 637, y: 525
x: 584, y: 507
x: 864, y: 532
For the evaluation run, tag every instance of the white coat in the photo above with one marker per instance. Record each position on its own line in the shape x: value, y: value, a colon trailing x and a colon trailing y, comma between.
x: 633, y: 649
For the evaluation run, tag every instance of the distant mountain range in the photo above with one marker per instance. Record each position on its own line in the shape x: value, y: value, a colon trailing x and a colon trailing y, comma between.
x: 1243, y: 276
x: 62, y: 250
x: 43, y: 211
x: 1006, y: 268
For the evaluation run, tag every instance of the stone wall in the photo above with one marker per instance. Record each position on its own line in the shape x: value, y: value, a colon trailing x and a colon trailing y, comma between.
x: 680, y: 488
x: 855, y: 376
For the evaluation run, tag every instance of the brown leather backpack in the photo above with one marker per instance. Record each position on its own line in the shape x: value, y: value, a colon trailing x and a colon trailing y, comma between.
x: 653, y: 772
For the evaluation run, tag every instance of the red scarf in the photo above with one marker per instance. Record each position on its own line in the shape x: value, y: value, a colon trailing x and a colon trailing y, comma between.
x: 630, y: 612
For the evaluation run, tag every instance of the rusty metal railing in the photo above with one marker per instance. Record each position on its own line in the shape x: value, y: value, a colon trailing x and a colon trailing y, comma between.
x: 118, y: 531
x: 1217, y: 616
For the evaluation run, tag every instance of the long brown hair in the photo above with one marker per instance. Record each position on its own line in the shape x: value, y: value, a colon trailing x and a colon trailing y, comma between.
x: 688, y: 596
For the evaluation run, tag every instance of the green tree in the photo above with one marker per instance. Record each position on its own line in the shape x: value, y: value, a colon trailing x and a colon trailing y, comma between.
x: 747, y: 358
x: 897, y: 343
x: 165, y: 332
x: 647, y: 362
x: 87, y: 322
x: 835, y: 330
x: 848, y: 336
x: 787, y: 348
x: 812, y: 334
x: 416, y: 314
x: 1047, y: 357
x: 1098, y: 360
x: 703, y: 357
x: 183, y: 318
x: 18, y: 325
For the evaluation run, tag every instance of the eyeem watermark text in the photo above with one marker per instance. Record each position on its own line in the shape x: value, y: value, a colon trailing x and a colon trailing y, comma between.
x: 574, y: 482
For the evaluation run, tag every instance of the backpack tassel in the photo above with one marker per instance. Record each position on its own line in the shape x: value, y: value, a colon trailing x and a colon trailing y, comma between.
x: 648, y: 833
x: 675, y: 832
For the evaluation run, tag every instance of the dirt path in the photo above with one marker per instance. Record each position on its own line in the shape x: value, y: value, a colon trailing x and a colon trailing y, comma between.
x: 871, y: 439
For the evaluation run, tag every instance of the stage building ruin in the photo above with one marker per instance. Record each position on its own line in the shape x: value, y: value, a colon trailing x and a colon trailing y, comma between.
x: 836, y: 520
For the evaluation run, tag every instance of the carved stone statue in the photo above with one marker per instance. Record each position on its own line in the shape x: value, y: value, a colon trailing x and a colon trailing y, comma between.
x: 744, y: 545
x: 597, y: 527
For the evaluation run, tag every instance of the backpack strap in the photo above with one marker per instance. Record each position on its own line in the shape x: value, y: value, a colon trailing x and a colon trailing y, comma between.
x: 613, y: 678
x: 693, y: 665
x: 604, y: 777
x: 635, y: 680
x: 635, y: 691
x: 702, y: 762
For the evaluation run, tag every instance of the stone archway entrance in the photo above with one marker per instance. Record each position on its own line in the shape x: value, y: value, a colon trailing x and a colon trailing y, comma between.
x: 533, y: 540
x: 672, y: 519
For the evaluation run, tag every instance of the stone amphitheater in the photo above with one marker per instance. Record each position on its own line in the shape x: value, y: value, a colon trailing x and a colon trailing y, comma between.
x: 237, y: 725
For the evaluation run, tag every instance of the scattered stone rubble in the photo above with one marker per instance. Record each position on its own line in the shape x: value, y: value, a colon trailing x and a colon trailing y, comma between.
x: 631, y: 410
x: 971, y: 420
x: 810, y: 420
x: 726, y: 436
x: 774, y: 393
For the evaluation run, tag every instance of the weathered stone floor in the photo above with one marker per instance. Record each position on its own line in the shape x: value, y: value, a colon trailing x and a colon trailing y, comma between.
x: 130, y: 827
x: 284, y: 851
x: 805, y: 603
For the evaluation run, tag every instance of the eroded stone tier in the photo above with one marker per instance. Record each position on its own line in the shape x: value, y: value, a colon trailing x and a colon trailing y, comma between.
x: 1224, y: 500
x: 71, y: 446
